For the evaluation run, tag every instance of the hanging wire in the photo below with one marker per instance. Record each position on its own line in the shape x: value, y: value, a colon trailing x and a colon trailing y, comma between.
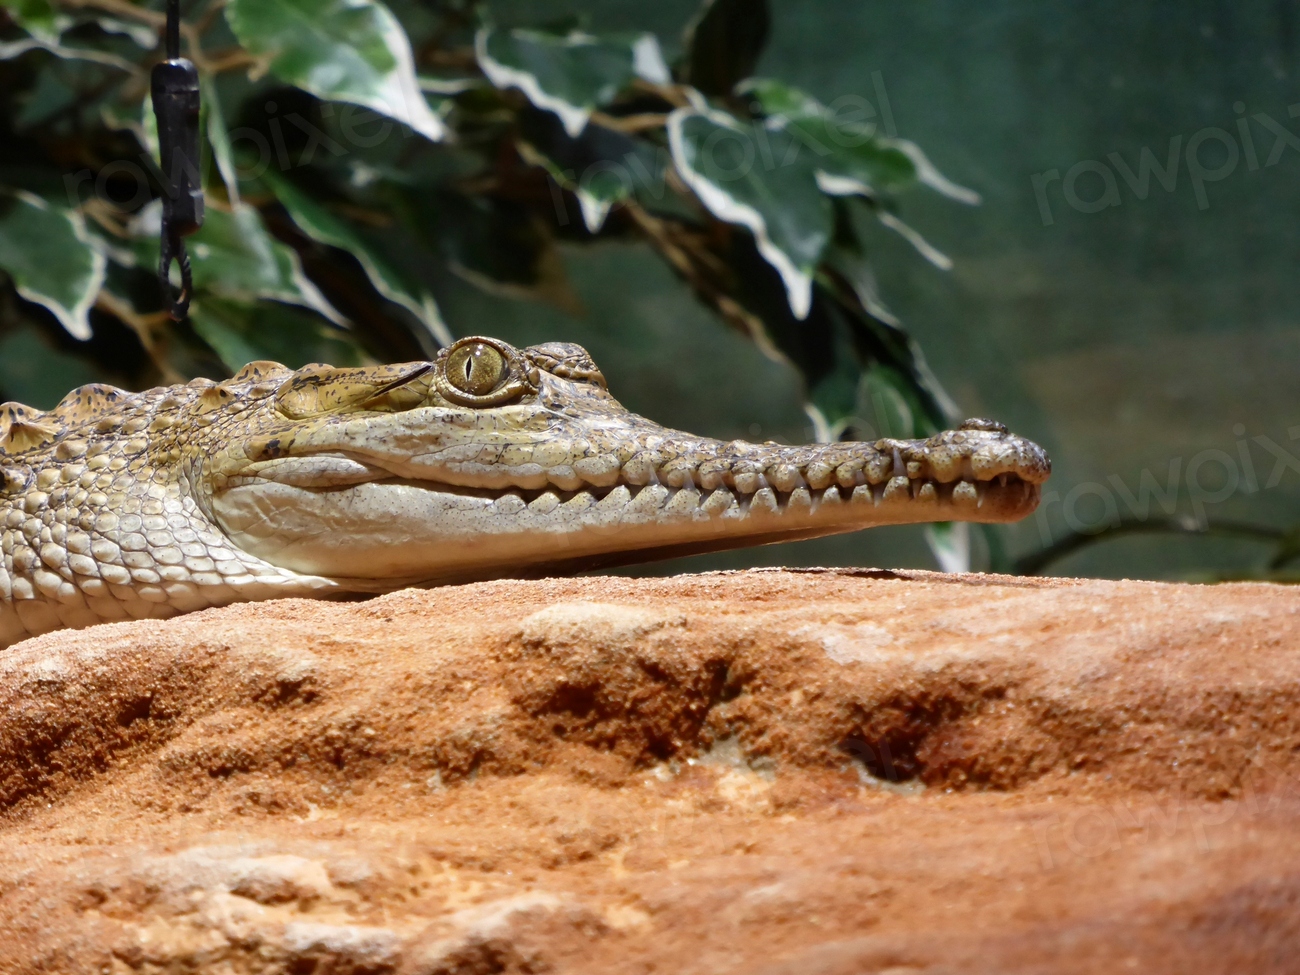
x: 175, y: 92
x: 173, y: 29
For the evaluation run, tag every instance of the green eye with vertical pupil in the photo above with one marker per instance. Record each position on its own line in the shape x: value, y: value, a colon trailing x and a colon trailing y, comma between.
x: 475, y: 368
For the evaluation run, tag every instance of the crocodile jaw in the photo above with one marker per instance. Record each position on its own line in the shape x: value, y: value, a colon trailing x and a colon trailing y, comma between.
x: 573, y: 481
x: 374, y: 536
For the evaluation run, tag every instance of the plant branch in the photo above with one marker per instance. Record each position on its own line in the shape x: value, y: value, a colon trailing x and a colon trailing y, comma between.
x: 121, y: 8
x: 701, y: 270
x: 675, y: 95
x: 1035, y: 562
x: 630, y: 124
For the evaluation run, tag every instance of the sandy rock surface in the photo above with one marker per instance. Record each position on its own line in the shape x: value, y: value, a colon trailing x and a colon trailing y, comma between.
x: 804, y: 773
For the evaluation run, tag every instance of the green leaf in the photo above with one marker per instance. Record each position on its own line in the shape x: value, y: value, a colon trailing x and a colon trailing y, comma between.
x: 861, y: 278
x: 849, y: 159
x: 241, y: 334
x: 46, y: 24
x: 600, y: 167
x: 135, y: 116
x: 723, y: 43
x: 949, y: 541
x: 862, y: 374
x: 774, y: 99
x: 234, y: 257
x: 889, y: 397
x: 759, y: 179
x: 149, y: 127
x: 47, y: 252
x: 351, y: 51
x: 498, y: 246
x: 448, y: 87
x: 822, y: 346
x: 570, y: 74
x: 141, y: 35
x: 218, y: 137
x: 14, y: 49
x: 852, y: 159
x: 927, y: 250
x: 38, y: 18
x: 929, y: 175
x: 51, y: 96
x: 848, y: 275
x: 128, y: 116
x: 320, y: 224
x: 833, y: 396
x: 595, y: 195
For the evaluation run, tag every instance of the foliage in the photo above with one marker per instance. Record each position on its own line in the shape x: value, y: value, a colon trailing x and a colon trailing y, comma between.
x: 356, y: 152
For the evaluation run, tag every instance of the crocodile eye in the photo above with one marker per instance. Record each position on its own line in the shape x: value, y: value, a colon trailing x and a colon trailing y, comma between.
x: 475, y: 368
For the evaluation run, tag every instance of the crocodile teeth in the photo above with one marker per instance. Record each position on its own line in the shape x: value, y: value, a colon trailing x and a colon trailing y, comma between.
x: 598, y: 471
x: 678, y: 474
x: 683, y: 502
x: 544, y: 504
x: 509, y: 504
x: 616, y: 500
x: 648, y: 500
x: 988, y: 459
x: 565, y: 478
x: 642, y: 469
x: 968, y: 494
x: 849, y: 473
x: 964, y: 495
x: 784, y: 477
x: 819, y: 474
x: 718, y: 502
x: 531, y: 477
x: 579, y: 503
x: 879, y: 469
x: 945, y: 465
x: 712, y: 473
x: 764, y: 502
x: 898, y: 490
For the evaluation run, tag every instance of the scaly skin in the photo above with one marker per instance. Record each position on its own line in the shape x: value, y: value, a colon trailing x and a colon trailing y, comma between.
x: 489, y: 461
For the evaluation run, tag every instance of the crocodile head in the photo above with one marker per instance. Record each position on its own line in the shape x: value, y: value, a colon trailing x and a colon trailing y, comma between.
x: 496, y: 461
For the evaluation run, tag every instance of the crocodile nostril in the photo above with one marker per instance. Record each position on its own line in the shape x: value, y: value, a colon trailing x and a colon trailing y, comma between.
x: 979, y: 423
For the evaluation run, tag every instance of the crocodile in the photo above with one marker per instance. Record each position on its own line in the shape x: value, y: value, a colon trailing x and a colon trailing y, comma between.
x: 489, y: 461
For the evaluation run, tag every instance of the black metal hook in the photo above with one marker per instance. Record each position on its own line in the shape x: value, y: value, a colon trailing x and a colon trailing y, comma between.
x: 175, y: 92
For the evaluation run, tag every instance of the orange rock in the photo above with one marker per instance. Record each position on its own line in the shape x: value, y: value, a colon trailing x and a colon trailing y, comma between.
x: 806, y: 773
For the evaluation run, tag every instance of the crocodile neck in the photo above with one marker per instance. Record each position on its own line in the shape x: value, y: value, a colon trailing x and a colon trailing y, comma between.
x: 490, y: 461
